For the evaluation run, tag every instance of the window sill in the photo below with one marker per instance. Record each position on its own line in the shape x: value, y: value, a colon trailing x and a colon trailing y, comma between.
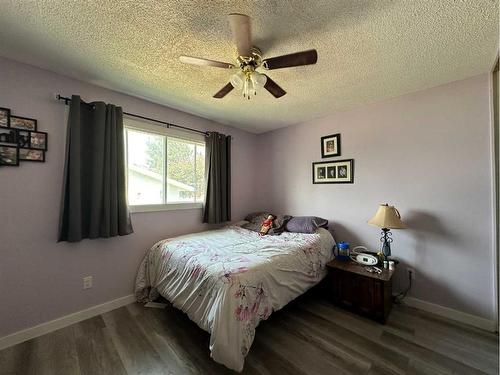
x: 165, y: 207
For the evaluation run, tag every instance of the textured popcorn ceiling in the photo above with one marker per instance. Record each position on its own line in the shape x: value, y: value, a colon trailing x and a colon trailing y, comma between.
x: 368, y: 50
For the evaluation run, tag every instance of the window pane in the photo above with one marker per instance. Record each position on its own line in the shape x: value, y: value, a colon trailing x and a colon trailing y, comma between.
x: 180, y: 171
x: 146, y: 160
x: 200, y: 173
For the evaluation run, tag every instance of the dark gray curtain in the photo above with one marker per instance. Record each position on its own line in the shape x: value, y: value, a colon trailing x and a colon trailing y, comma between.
x: 218, y: 178
x: 94, y: 194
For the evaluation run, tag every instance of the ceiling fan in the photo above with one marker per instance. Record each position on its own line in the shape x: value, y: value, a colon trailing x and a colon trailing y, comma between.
x: 249, y: 59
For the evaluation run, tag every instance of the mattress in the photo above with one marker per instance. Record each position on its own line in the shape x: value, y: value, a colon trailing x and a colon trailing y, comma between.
x: 228, y: 280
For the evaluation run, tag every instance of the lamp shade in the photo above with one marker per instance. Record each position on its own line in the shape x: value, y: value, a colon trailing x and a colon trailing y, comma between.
x: 387, y: 217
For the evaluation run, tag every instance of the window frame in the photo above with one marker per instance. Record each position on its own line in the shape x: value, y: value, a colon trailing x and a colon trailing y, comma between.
x: 147, y: 127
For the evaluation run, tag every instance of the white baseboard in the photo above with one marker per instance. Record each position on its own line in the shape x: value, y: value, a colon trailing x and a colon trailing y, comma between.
x: 67, y: 320
x: 473, y: 320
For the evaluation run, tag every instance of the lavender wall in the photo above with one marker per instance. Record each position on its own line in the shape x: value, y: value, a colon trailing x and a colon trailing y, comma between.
x: 41, y: 280
x: 428, y: 153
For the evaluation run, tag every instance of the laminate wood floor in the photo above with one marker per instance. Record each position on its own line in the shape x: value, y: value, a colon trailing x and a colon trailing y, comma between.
x: 310, y: 336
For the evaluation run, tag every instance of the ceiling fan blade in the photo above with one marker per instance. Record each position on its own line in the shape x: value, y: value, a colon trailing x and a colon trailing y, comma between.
x: 274, y: 88
x: 293, y: 59
x: 205, y: 62
x: 242, y: 33
x: 224, y: 91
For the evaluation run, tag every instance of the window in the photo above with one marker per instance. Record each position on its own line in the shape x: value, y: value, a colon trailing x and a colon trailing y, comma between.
x: 165, y: 168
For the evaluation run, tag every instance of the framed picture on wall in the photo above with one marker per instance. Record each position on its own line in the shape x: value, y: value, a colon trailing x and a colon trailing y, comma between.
x: 8, y: 136
x: 330, y: 145
x: 4, y: 117
x: 23, y: 138
x: 9, y: 156
x: 38, y: 140
x: 333, y: 172
x: 23, y: 123
x: 20, y: 139
x: 28, y: 154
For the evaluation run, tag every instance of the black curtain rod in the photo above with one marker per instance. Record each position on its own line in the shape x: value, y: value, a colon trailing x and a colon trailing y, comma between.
x: 169, y: 125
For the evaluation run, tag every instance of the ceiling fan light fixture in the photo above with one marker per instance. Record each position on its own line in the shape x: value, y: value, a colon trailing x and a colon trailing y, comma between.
x: 251, y: 88
x: 247, y: 82
x: 259, y: 79
x: 248, y: 88
x: 237, y: 80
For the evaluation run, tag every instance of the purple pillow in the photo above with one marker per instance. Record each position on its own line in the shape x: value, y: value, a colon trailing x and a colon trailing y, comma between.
x: 305, y: 224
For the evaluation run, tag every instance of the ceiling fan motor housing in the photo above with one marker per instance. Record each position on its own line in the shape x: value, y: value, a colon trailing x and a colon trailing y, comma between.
x: 250, y: 62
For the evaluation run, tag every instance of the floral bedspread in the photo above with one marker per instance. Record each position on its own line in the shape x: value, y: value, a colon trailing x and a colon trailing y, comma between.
x: 230, y: 279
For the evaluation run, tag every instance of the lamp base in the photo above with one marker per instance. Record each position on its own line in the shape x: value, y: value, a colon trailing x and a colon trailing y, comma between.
x: 386, y: 240
x: 386, y: 249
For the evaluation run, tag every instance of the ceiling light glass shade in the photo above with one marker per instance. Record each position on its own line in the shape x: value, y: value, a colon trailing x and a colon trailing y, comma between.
x: 250, y: 88
x: 245, y: 87
x: 259, y: 79
x: 237, y: 80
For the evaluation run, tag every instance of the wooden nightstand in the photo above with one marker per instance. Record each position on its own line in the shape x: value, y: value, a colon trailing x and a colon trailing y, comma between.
x: 358, y: 290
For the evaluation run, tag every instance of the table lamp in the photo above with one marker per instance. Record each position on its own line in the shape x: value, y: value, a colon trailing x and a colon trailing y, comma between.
x: 387, y: 217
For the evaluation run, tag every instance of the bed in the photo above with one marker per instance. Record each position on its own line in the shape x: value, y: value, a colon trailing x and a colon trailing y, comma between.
x: 228, y: 280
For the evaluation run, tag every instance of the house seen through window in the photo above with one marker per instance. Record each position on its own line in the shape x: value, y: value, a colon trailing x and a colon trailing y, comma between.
x: 163, y: 169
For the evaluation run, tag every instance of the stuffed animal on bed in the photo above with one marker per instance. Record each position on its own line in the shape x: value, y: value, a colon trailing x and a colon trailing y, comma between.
x: 266, y: 225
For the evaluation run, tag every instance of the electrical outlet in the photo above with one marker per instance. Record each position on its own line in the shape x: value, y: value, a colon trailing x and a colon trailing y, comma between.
x: 411, y: 273
x: 87, y: 282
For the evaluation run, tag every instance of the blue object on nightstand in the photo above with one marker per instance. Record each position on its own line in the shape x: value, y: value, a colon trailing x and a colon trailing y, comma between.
x: 343, y: 252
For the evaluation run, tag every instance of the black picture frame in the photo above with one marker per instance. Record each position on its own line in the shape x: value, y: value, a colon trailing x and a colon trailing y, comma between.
x: 8, y: 136
x: 24, y: 154
x: 20, y: 139
x: 321, y: 173
x: 23, y: 138
x: 15, y: 119
x: 3, y: 161
x: 35, y: 146
x: 5, y: 117
x: 325, y: 144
